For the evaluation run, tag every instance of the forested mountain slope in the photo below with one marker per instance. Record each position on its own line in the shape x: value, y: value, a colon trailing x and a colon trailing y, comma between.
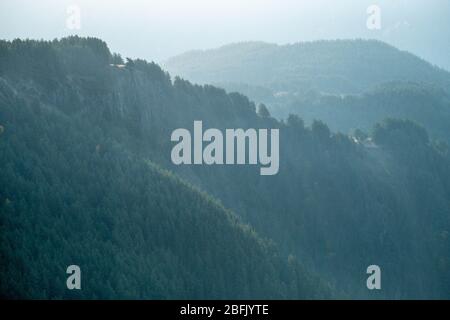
x: 72, y: 193
x: 337, y: 205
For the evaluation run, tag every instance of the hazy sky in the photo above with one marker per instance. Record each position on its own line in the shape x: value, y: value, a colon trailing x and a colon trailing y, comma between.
x: 158, y: 29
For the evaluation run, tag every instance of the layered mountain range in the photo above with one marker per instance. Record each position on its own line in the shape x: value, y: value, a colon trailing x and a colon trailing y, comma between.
x: 86, y: 178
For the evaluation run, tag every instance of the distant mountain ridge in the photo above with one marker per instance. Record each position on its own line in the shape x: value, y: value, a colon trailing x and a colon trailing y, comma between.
x: 312, y: 79
x: 339, y: 66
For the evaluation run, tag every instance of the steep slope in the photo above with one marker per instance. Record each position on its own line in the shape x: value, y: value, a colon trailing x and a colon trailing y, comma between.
x: 71, y: 193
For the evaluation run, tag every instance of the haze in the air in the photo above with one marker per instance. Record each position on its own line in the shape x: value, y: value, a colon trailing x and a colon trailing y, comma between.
x: 158, y: 29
